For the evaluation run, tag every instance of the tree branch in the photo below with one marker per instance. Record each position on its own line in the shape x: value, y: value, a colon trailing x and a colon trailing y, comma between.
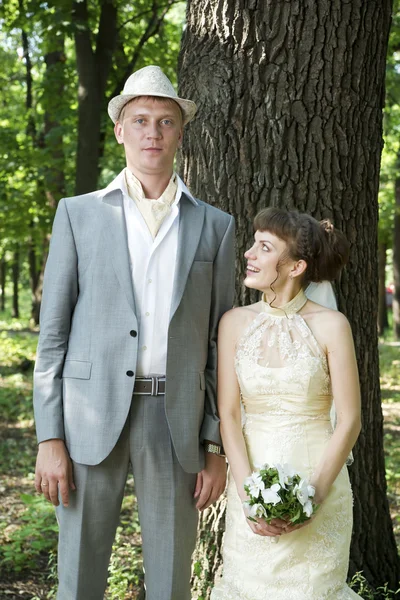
x: 84, y: 53
x: 145, y: 12
x: 152, y: 29
x: 31, y: 126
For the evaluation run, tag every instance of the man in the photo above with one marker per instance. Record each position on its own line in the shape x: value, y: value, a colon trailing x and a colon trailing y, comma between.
x: 136, y: 281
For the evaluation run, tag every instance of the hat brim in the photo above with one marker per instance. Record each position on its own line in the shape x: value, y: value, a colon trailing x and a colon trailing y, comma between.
x: 116, y: 104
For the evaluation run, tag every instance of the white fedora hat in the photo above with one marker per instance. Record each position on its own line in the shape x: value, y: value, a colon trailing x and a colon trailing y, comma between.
x: 149, y: 81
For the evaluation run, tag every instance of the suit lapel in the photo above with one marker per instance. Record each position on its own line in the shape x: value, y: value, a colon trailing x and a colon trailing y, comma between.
x: 117, y: 242
x: 191, y: 218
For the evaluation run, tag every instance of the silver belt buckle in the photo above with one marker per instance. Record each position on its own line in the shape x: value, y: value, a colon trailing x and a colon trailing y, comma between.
x: 154, y: 386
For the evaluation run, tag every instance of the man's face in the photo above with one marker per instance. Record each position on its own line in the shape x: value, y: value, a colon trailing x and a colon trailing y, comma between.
x: 151, y: 131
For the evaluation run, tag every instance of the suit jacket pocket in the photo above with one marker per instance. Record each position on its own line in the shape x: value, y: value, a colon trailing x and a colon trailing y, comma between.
x: 77, y: 369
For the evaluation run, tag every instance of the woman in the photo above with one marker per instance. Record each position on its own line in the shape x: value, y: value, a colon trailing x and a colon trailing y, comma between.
x: 286, y: 358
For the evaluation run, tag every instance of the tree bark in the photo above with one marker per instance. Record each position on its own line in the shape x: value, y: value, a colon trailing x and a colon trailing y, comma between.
x: 290, y: 98
x: 15, y: 280
x: 3, y: 271
x: 54, y: 89
x: 93, y: 70
x: 37, y: 261
x: 383, y: 322
x: 396, y: 262
x: 52, y: 146
x: 207, y: 559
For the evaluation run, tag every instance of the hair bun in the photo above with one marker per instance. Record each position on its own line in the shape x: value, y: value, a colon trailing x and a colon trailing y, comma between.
x: 327, y: 225
x: 324, y: 248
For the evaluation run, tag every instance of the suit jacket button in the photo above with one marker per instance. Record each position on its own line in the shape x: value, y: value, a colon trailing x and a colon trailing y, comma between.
x: 130, y: 373
x: 133, y: 333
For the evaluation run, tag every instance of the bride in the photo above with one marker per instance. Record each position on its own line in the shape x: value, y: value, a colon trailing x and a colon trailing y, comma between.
x: 286, y: 358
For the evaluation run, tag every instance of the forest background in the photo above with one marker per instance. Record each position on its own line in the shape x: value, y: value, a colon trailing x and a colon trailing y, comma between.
x: 60, y: 64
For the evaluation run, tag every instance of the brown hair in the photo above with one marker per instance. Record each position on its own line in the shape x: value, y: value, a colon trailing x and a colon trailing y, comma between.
x: 319, y: 244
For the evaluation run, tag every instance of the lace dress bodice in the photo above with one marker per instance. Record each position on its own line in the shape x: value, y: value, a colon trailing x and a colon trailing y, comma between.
x: 281, y: 368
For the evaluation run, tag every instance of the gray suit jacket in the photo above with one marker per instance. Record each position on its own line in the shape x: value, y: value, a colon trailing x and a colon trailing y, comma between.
x: 82, y: 392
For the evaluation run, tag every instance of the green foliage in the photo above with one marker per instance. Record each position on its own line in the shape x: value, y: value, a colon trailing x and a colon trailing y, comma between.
x: 390, y: 162
x: 125, y: 570
x: 361, y: 586
x: 39, y: 104
x: 35, y: 534
x: 17, y: 348
x: 390, y: 385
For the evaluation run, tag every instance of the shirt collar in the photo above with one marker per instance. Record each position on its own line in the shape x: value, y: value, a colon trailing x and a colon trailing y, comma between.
x: 119, y: 183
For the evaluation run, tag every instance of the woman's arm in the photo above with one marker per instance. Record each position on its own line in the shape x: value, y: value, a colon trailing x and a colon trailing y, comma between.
x: 230, y: 328
x: 229, y: 400
x: 338, y: 341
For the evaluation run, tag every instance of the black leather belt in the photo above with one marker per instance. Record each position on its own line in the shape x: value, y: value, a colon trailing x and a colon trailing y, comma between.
x: 149, y: 386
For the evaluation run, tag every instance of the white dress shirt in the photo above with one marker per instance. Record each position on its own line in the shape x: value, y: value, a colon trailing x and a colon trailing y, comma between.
x: 153, y: 270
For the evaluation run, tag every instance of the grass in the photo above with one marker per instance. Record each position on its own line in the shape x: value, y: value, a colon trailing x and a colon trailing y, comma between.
x: 28, y: 533
x: 389, y: 353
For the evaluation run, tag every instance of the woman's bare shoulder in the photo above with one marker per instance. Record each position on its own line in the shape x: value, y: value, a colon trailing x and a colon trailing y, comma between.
x: 327, y: 324
x: 239, y: 318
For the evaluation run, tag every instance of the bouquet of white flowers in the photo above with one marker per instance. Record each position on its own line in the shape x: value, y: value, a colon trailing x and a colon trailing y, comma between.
x: 279, y: 492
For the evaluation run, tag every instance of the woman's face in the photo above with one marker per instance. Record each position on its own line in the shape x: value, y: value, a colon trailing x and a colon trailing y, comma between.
x: 262, y: 261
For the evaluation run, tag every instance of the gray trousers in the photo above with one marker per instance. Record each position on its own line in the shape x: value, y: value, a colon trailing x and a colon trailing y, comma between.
x: 166, y: 506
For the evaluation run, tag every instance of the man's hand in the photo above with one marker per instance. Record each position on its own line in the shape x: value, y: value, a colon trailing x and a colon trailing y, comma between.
x: 210, y: 481
x: 54, y: 471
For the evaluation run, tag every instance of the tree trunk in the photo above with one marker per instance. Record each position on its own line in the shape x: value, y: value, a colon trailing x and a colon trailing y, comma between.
x: 52, y: 146
x: 383, y: 322
x: 396, y: 262
x: 15, y: 280
x: 54, y: 90
x: 207, y: 559
x: 290, y: 98
x: 37, y: 263
x: 3, y: 269
x: 93, y: 70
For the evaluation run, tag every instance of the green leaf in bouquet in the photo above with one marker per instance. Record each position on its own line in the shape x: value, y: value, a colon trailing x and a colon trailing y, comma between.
x: 296, y: 517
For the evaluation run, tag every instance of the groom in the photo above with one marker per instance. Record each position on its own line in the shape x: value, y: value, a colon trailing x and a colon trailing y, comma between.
x: 136, y: 281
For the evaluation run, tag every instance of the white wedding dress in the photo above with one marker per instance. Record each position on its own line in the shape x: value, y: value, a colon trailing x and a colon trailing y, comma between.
x: 286, y: 393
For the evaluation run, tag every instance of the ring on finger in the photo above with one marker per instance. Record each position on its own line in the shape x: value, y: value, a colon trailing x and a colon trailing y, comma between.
x: 44, y: 485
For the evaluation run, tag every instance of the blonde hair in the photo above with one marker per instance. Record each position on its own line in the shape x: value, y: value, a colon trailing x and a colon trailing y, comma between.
x: 160, y: 99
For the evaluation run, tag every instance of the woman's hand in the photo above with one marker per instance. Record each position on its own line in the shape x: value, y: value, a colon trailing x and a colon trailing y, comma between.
x: 261, y: 527
x: 317, y: 499
x: 293, y: 527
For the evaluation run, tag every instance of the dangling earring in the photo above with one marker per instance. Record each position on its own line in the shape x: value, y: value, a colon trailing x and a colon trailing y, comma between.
x: 291, y: 276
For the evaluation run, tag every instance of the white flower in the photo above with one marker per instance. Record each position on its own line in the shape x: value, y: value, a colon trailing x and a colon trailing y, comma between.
x: 311, y: 491
x: 285, y: 473
x: 259, y: 467
x: 308, y: 508
x: 257, y: 510
x: 304, y: 491
x: 271, y: 496
x: 255, y: 484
